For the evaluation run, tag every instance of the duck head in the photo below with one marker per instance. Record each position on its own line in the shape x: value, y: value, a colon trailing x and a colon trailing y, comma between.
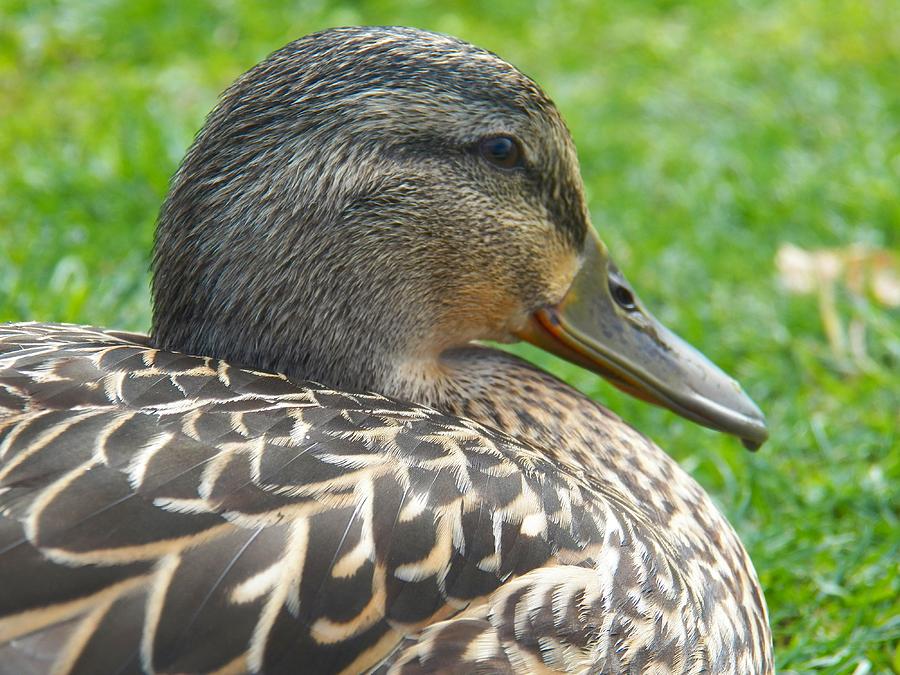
x: 367, y: 198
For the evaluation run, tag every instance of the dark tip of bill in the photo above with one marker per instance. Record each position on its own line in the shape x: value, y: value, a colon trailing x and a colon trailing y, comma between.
x: 752, y: 446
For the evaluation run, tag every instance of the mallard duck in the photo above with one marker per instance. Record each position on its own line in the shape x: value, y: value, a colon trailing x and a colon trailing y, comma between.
x: 308, y: 466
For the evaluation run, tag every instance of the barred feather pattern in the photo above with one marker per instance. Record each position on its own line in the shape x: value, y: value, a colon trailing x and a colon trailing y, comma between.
x: 168, y: 513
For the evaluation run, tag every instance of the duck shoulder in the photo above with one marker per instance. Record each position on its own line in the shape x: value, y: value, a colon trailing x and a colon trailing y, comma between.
x: 219, y: 519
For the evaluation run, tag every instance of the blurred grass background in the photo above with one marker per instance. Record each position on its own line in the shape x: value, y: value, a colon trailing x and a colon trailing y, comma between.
x: 709, y: 133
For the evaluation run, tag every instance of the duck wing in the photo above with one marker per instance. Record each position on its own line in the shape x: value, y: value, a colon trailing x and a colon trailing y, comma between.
x: 168, y: 513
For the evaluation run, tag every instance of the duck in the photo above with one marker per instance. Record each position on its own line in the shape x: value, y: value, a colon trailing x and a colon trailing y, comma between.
x: 316, y: 461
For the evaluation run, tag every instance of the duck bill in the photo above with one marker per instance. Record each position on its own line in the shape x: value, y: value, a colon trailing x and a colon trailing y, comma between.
x: 601, y: 326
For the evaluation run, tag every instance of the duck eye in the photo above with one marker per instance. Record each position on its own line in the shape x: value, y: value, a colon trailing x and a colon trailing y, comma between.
x: 622, y: 295
x: 501, y: 151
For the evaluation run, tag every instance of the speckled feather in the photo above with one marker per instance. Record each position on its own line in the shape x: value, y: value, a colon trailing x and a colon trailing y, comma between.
x: 219, y: 519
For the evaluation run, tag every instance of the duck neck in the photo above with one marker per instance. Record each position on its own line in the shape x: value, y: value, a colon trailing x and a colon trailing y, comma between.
x: 502, y: 391
x: 507, y: 393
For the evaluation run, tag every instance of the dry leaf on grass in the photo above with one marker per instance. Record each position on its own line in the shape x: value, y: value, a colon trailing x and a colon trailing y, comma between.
x: 864, y: 271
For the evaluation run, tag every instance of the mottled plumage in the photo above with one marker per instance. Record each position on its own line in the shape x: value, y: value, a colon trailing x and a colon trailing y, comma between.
x: 166, y: 512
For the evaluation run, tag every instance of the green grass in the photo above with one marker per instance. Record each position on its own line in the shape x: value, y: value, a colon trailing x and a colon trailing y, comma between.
x: 709, y: 133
